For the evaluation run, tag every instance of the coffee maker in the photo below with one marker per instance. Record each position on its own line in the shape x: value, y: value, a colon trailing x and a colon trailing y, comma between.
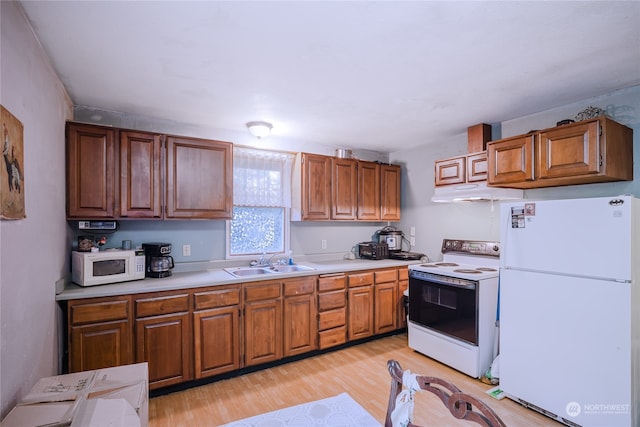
x: 158, y: 262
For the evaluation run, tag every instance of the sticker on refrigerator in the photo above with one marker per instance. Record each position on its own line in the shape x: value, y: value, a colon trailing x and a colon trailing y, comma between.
x: 517, y: 217
x: 530, y: 209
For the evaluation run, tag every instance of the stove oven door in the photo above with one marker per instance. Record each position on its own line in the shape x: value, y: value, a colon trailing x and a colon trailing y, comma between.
x: 444, y: 307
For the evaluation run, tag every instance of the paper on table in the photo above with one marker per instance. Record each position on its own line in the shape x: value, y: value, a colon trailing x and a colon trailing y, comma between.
x: 59, y: 388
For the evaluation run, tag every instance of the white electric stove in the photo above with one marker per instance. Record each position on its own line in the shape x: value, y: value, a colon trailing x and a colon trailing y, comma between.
x: 453, y: 306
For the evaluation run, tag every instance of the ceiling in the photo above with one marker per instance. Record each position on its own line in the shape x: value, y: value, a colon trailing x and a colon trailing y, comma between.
x: 377, y: 75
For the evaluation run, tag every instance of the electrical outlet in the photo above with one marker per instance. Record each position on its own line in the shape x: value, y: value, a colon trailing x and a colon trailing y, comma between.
x: 324, y: 244
x: 413, y: 231
x: 412, y: 241
x: 186, y: 250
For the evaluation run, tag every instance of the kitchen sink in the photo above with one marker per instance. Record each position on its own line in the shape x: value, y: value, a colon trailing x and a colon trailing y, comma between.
x: 291, y: 268
x: 248, y: 271
x: 258, y: 271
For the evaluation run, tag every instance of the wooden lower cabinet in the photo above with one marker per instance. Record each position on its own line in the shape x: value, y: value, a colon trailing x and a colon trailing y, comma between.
x: 101, y: 345
x: 332, y: 310
x: 386, y: 294
x: 163, y: 338
x: 262, y: 323
x: 299, y: 318
x: 216, y: 330
x: 360, y: 305
x: 202, y: 332
x: 99, y: 333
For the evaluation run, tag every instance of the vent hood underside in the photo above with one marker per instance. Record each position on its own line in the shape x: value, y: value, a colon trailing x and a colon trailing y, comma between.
x: 474, y: 192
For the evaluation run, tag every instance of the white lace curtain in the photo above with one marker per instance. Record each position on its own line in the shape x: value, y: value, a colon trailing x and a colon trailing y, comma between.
x: 261, y: 178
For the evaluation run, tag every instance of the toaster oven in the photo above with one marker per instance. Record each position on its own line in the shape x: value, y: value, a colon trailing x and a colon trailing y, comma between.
x: 373, y: 250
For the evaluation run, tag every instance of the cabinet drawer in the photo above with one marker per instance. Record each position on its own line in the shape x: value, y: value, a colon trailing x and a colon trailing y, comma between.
x: 332, y: 337
x: 331, y: 283
x: 162, y: 305
x: 302, y: 286
x: 386, y: 275
x: 361, y: 279
x: 332, y: 318
x: 262, y: 292
x: 403, y: 273
x: 99, y: 311
x: 331, y: 300
x: 217, y: 298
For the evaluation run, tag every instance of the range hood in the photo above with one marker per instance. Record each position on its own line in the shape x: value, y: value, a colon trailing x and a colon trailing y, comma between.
x: 473, y: 192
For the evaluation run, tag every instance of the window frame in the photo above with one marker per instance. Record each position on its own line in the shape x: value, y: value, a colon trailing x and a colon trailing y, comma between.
x: 249, y: 257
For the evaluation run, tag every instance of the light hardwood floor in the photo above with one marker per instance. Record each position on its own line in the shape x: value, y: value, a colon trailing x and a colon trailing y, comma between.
x: 360, y: 371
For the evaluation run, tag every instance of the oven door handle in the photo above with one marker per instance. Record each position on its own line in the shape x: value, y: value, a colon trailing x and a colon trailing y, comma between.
x: 469, y: 286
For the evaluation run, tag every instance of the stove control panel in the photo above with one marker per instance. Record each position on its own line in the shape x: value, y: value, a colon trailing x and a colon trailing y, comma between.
x: 471, y: 247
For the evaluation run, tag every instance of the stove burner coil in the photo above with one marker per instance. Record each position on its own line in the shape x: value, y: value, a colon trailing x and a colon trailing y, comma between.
x: 467, y: 271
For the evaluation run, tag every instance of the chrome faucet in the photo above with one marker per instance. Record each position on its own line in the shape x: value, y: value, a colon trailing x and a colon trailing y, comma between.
x: 263, y: 261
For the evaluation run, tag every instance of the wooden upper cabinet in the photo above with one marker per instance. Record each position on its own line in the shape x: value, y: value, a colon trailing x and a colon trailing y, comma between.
x: 390, y: 193
x: 91, y: 171
x: 118, y: 173
x: 368, y: 191
x: 344, y: 187
x: 477, y: 167
x: 569, y: 151
x: 140, y: 175
x: 316, y: 187
x: 332, y: 188
x: 199, y: 178
x: 450, y: 171
x: 511, y: 160
x: 595, y: 150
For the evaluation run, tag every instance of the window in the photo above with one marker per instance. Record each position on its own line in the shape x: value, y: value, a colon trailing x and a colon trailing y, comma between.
x: 261, y: 202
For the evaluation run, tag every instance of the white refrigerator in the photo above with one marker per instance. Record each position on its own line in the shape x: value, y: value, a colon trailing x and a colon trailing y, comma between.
x: 570, y: 308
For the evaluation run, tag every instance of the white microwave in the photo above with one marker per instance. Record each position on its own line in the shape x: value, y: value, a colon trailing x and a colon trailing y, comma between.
x: 110, y: 266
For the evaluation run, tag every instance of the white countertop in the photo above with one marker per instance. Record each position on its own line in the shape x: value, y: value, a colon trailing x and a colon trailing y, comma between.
x: 213, y: 277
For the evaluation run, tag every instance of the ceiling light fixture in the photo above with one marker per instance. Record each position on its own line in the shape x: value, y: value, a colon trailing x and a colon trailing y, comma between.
x: 260, y: 129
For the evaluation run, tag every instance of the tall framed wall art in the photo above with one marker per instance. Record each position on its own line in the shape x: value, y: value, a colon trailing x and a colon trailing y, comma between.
x: 12, y: 172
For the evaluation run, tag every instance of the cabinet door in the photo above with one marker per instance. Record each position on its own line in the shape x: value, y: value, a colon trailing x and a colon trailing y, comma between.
x: 199, y: 179
x: 390, y: 193
x: 164, y: 342
x: 99, y: 345
x: 360, y: 302
x: 403, y: 285
x: 140, y: 175
x: 385, y: 307
x: 477, y: 167
x: 263, y: 332
x: 316, y: 187
x: 216, y: 341
x: 99, y: 333
x: 450, y: 171
x: 344, y: 187
x: 511, y: 160
x: 368, y: 191
x: 300, y: 324
x: 91, y: 171
x: 570, y: 150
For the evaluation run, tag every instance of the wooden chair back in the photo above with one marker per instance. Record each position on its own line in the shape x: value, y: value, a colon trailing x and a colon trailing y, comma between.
x: 461, y: 405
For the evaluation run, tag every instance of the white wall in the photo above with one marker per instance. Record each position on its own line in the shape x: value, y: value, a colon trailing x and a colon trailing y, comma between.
x: 479, y: 220
x: 33, y: 251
